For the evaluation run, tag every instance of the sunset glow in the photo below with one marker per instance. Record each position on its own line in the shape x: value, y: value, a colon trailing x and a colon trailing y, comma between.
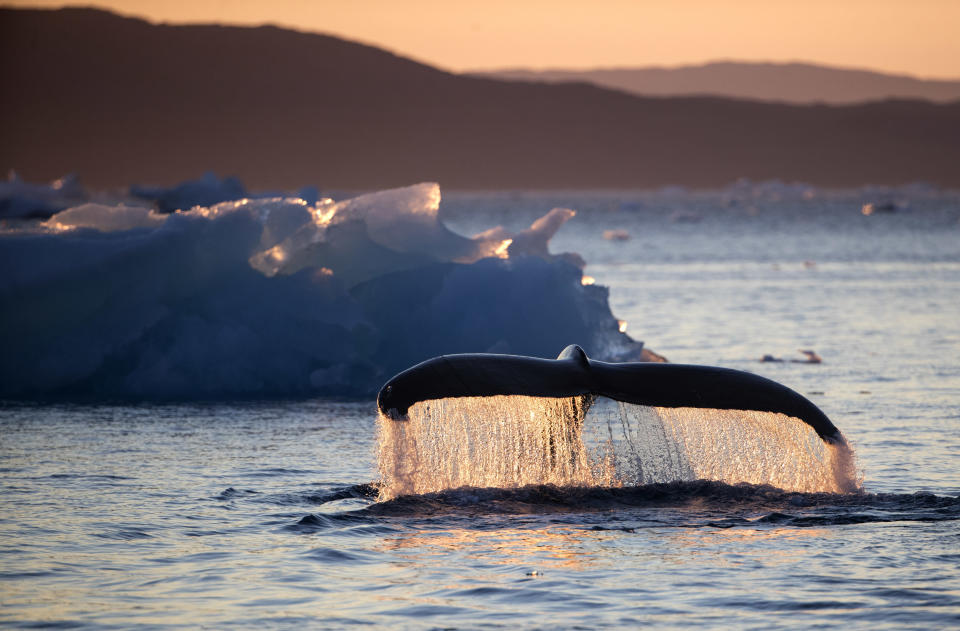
x: 916, y: 38
x: 258, y: 371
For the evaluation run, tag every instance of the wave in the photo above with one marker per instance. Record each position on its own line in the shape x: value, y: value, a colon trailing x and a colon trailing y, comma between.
x: 701, y: 503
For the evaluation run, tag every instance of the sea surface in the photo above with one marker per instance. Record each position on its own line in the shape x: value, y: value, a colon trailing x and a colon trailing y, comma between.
x: 266, y: 515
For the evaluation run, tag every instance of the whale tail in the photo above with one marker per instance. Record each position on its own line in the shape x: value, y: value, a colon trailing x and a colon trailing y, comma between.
x: 573, y: 374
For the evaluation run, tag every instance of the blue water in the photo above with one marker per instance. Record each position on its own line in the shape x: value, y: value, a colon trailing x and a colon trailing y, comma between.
x: 261, y: 515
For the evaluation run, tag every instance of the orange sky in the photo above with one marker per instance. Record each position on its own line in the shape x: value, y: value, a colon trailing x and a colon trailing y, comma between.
x: 917, y: 37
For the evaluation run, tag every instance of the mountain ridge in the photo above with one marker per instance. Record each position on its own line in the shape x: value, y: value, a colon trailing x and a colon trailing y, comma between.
x: 120, y: 100
x: 791, y: 82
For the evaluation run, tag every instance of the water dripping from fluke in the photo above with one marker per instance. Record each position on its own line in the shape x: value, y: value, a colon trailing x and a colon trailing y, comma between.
x: 502, y: 421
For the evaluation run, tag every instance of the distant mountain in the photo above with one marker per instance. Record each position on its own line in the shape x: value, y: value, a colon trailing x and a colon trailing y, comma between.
x: 120, y: 100
x: 788, y: 83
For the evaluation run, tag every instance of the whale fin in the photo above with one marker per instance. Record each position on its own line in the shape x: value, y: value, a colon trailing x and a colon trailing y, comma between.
x: 576, y: 354
x: 574, y: 374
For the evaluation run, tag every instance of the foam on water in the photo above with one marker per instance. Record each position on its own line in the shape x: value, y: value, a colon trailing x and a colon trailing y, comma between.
x: 514, y: 441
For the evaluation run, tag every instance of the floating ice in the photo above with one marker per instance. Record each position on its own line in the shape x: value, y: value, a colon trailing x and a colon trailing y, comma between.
x: 204, y: 191
x: 616, y: 235
x: 105, y: 218
x: 772, y: 190
x: 253, y: 298
x: 19, y: 199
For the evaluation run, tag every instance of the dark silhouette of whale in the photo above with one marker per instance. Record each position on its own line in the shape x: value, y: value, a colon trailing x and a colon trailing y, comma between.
x: 572, y: 373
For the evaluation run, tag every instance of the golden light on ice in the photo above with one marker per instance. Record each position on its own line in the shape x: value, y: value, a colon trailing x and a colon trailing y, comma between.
x: 622, y: 324
x: 324, y: 212
x: 502, y: 250
x: 277, y: 254
x: 587, y: 280
x: 433, y: 204
x: 322, y: 273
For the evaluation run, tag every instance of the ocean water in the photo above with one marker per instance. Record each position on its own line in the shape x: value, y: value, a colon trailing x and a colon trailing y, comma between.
x: 267, y: 515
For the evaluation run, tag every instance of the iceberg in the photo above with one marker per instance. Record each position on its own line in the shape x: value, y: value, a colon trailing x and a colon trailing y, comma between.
x: 22, y: 200
x: 280, y: 297
x: 204, y: 191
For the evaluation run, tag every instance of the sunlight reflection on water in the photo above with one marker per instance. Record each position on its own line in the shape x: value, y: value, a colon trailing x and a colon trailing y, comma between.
x: 217, y: 515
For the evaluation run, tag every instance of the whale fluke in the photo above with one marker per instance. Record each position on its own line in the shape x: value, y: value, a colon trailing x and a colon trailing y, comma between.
x: 574, y: 374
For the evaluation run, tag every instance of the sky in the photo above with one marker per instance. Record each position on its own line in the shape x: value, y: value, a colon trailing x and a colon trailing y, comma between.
x: 915, y: 37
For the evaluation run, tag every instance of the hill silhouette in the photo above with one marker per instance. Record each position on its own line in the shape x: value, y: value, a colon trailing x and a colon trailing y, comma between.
x: 119, y: 100
x: 785, y: 82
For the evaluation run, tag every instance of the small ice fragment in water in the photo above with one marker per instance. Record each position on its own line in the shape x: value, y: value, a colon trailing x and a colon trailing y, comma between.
x: 616, y: 235
x: 811, y: 358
